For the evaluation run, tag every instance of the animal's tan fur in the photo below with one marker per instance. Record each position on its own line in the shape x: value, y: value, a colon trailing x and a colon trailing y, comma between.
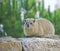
x: 40, y: 27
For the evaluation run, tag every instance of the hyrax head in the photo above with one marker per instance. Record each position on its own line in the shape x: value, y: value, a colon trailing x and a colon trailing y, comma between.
x: 29, y: 22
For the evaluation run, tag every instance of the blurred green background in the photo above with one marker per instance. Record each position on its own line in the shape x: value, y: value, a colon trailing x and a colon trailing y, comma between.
x: 10, y: 15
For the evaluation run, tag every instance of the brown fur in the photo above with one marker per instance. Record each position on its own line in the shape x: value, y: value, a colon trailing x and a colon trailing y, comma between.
x: 40, y: 27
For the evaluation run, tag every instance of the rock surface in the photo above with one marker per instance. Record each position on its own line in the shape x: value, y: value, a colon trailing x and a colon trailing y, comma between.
x: 10, y: 44
x: 29, y: 44
x: 40, y: 44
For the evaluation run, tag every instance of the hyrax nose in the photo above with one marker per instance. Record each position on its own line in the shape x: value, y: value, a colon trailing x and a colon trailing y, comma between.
x: 27, y: 25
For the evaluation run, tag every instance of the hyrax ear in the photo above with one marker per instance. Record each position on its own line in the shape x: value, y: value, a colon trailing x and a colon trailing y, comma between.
x: 24, y: 20
x: 34, y: 20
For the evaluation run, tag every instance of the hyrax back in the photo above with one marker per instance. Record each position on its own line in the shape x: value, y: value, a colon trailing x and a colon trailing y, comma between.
x: 38, y: 27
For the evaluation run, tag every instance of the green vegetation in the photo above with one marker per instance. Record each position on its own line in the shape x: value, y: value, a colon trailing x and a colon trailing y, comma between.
x: 10, y: 11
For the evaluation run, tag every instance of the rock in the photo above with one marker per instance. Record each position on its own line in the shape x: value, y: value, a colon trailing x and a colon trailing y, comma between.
x: 40, y: 44
x: 29, y: 44
x: 51, y: 36
x: 10, y: 44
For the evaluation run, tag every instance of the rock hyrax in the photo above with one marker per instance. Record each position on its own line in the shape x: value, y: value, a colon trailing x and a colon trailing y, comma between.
x: 38, y: 27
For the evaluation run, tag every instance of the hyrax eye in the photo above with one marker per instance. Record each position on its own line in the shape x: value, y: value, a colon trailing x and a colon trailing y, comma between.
x: 31, y: 23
